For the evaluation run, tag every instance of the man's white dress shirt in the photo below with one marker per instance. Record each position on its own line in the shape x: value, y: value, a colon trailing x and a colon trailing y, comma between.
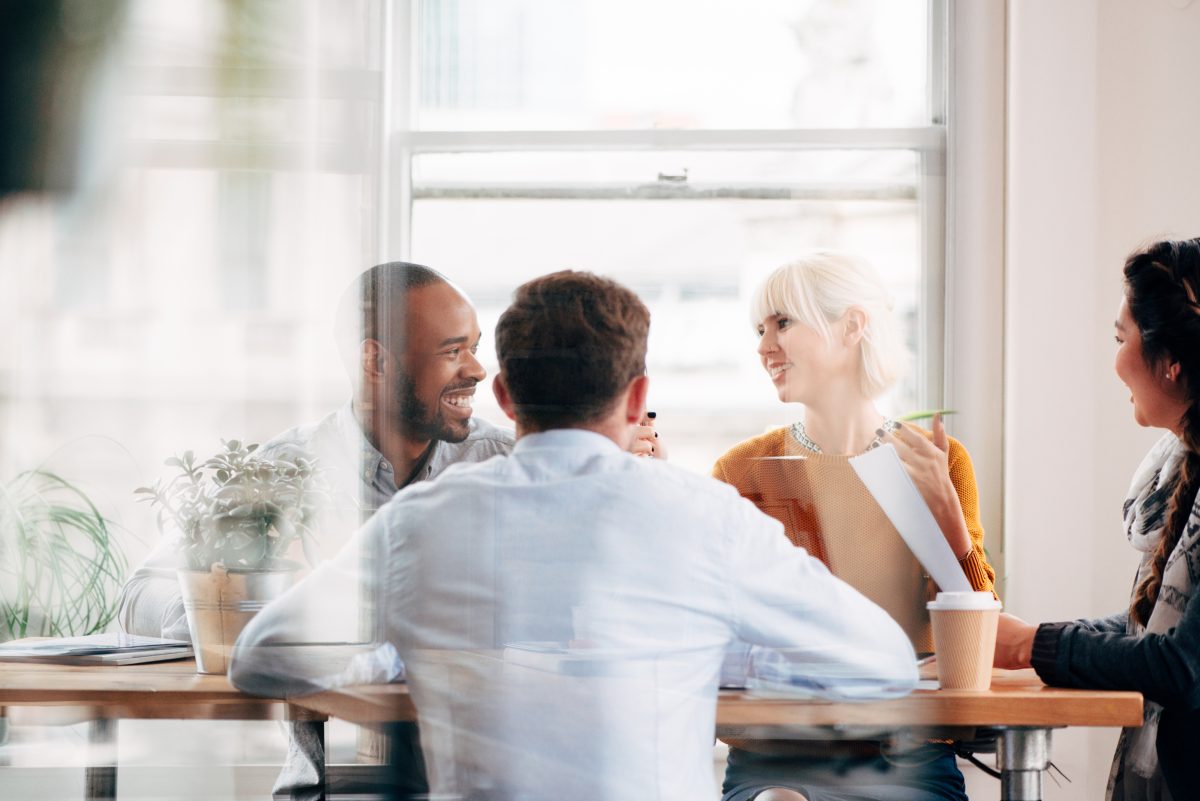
x: 562, y: 615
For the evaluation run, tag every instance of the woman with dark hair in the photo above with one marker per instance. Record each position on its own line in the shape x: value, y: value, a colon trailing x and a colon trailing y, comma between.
x: 1154, y: 646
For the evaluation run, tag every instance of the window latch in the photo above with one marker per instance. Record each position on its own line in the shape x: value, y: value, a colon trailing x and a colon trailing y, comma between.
x: 673, y: 178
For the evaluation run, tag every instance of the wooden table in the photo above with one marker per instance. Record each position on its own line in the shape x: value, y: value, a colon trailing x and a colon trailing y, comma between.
x: 1019, y: 705
x: 60, y: 694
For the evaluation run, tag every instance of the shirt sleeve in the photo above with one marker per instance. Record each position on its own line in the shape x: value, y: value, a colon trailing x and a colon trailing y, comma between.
x: 814, y: 632
x: 1097, y: 654
x: 151, y: 603
x: 718, y: 471
x: 306, y: 640
x: 962, y: 474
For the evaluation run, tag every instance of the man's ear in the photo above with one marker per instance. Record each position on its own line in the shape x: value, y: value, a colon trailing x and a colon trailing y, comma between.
x: 635, y: 399
x: 500, y: 390
x: 373, y: 358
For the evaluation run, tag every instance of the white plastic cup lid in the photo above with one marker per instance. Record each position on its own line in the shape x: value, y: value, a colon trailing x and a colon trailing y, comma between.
x: 964, y: 600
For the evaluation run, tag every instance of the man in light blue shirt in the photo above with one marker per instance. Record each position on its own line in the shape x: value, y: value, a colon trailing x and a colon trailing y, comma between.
x: 562, y: 614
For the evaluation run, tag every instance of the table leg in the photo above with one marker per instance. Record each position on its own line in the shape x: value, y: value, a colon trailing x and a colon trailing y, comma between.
x: 100, y: 776
x: 306, y: 748
x: 1022, y: 755
x: 406, y: 764
x: 317, y: 793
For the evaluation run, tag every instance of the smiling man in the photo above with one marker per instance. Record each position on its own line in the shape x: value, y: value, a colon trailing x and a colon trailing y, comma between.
x: 408, y: 339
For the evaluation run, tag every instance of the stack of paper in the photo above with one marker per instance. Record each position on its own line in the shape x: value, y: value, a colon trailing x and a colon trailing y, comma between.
x: 95, y: 649
x: 884, y: 475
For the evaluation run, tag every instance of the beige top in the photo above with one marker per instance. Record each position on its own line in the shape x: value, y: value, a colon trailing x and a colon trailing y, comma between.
x: 826, y: 509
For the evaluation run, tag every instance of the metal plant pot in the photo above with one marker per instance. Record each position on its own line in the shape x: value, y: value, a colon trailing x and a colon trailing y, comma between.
x: 219, y: 603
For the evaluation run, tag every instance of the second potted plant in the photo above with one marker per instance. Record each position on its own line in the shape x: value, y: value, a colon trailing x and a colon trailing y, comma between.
x: 237, y: 514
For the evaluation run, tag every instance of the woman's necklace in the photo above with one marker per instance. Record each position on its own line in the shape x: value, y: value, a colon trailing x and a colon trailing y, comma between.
x: 801, y: 436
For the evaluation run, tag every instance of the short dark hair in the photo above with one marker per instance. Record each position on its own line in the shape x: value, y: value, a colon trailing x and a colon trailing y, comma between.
x: 368, y: 307
x: 568, y: 345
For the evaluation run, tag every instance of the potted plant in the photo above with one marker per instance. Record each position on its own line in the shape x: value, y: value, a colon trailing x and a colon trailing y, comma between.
x: 60, y: 570
x: 237, y: 516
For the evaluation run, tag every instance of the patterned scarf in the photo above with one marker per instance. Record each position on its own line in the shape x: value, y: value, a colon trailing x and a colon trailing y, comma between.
x: 1145, y: 515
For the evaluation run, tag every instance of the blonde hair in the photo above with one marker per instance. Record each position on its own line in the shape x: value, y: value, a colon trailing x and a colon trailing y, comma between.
x: 818, y: 289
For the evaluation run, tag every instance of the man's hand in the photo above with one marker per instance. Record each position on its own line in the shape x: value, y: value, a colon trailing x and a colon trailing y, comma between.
x: 1014, y: 642
x: 646, y: 441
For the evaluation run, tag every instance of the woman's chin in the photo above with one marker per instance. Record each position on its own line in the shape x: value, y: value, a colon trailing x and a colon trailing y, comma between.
x: 1140, y: 419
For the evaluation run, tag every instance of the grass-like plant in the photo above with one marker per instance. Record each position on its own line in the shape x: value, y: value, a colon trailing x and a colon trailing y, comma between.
x: 238, y: 508
x: 60, y: 570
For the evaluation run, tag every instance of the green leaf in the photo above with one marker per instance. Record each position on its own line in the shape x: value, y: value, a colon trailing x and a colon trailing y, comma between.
x: 923, y: 415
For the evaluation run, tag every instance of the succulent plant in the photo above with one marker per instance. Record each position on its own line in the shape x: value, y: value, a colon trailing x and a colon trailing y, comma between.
x: 239, y: 508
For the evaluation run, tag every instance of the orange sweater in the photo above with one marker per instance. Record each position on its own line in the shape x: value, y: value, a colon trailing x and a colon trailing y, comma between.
x: 827, y: 510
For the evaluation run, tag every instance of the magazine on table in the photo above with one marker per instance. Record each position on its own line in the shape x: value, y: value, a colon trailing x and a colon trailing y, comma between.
x: 114, y: 648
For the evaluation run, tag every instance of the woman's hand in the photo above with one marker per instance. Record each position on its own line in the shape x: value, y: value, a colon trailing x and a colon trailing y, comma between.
x: 927, y: 462
x: 646, y: 441
x: 1014, y: 642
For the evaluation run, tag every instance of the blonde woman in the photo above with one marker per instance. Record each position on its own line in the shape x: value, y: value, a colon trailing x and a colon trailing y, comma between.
x: 829, y: 341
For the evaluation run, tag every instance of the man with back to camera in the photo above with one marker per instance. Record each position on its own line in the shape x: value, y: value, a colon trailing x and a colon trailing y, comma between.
x: 562, y: 613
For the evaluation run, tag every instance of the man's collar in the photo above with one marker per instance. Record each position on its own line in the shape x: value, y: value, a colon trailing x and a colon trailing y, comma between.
x: 368, y: 456
x: 574, y: 439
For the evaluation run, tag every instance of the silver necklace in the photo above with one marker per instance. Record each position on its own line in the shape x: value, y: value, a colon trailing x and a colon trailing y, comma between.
x: 801, y: 436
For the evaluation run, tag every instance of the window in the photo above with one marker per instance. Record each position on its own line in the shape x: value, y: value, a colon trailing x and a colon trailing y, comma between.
x: 685, y: 149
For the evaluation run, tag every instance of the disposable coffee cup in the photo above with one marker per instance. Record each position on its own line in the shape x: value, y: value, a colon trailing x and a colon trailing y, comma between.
x: 964, y: 638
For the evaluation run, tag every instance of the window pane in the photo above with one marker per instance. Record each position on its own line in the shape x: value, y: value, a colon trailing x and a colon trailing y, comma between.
x: 695, y: 265
x: 612, y: 64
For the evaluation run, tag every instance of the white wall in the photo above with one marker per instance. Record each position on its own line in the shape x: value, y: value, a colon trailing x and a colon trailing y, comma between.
x: 1102, y: 122
x: 975, y: 254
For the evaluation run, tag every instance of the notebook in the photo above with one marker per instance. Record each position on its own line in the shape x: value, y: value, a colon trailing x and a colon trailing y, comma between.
x: 114, y: 648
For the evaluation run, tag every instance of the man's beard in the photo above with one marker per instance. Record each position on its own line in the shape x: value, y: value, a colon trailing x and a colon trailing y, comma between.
x: 420, y: 424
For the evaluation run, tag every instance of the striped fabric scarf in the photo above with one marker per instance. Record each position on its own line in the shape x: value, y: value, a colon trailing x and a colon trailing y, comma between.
x: 1145, y: 515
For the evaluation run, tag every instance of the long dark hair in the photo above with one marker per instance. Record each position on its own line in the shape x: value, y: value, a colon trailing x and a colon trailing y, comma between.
x: 1162, y: 289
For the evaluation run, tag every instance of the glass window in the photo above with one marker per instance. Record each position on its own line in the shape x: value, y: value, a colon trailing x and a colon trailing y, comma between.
x: 686, y: 149
x: 600, y: 64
